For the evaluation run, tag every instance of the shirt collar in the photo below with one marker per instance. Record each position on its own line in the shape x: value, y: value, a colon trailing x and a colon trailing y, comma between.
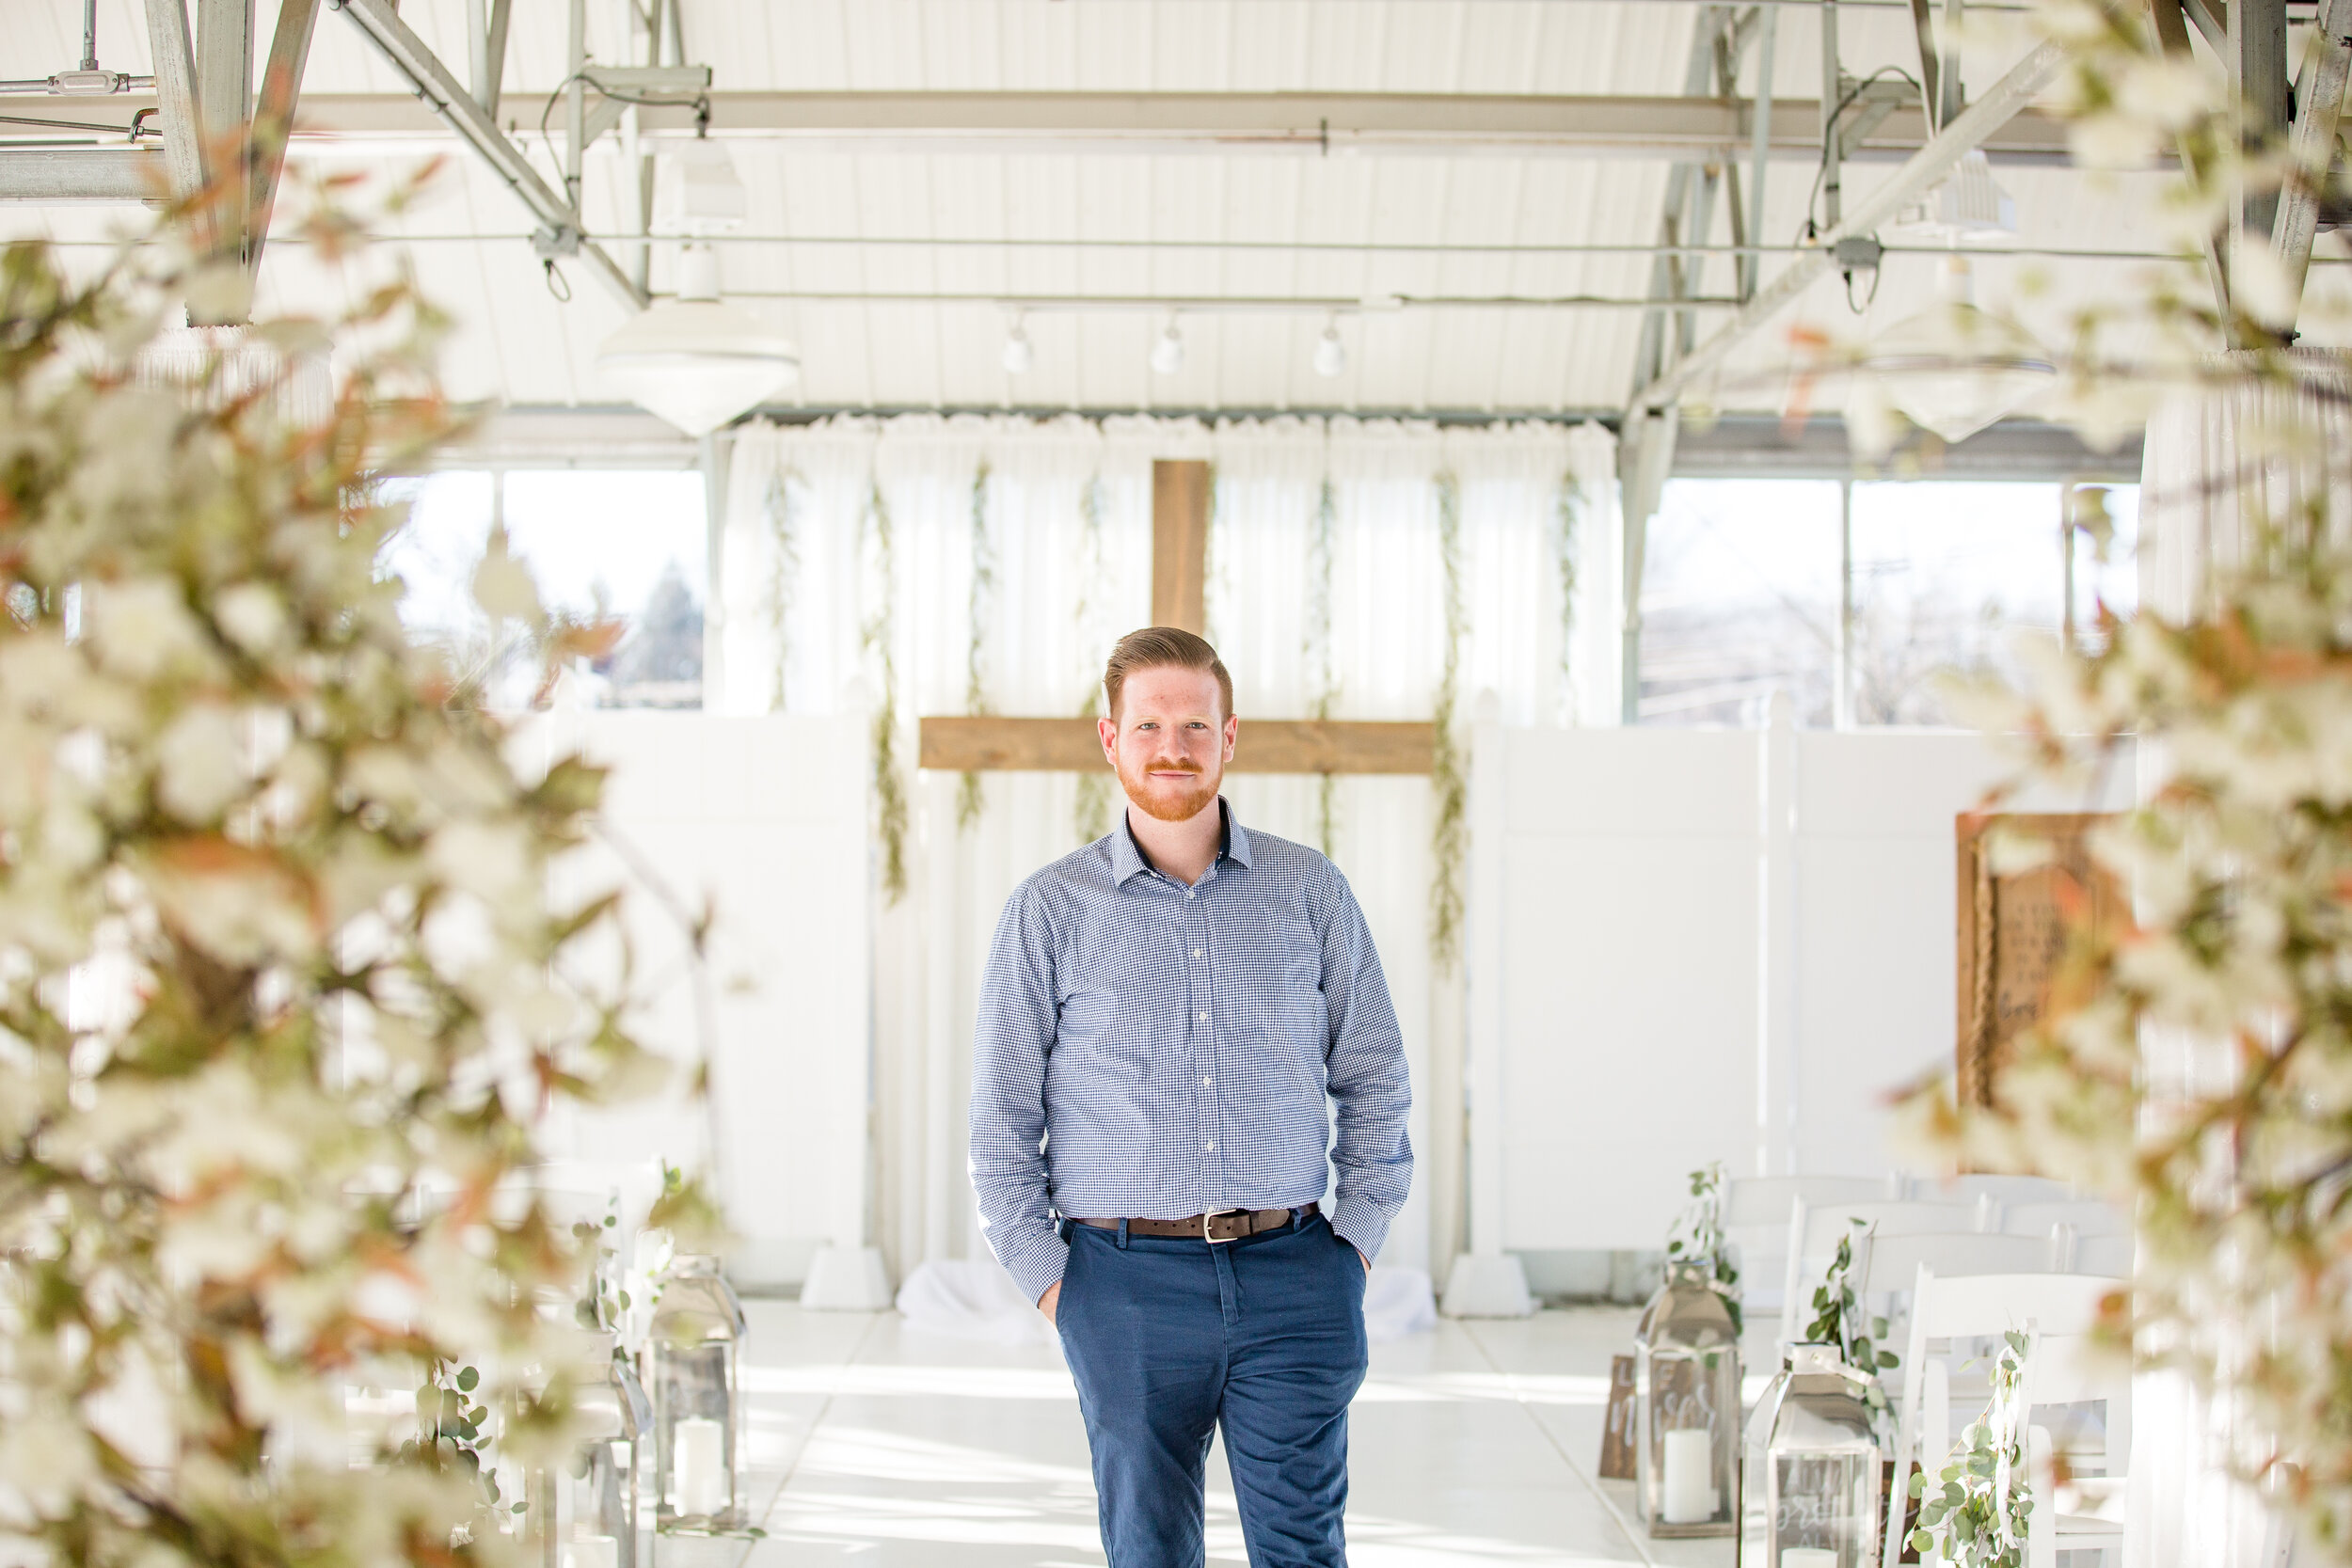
x: 1127, y: 858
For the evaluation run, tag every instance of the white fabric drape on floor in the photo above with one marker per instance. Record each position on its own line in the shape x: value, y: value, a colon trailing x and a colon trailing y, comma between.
x: 848, y: 577
x: 2215, y: 468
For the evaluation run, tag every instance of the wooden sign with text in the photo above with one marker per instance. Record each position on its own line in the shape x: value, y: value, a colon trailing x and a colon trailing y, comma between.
x: 2012, y: 932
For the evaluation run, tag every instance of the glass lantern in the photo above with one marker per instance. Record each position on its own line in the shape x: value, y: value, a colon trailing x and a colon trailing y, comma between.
x: 585, y: 1513
x: 695, y: 1350
x: 1821, y: 1464
x: 1686, y: 1398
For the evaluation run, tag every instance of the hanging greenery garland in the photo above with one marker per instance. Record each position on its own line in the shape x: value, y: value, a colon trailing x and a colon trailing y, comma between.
x: 1447, y: 836
x: 877, y: 637
x: 1091, y: 814
x: 784, y: 570
x: 1316, y: 647
x: 1569, y: 517
x: 978, y: 603
x: 1211, y: 590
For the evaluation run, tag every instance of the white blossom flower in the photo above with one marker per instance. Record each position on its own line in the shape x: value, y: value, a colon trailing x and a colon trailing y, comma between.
x: 200, y: 764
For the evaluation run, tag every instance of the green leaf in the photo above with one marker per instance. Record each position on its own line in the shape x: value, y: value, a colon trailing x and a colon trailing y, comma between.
x: 1887, y: 1358
x: 467, y: 1379
x: 1921, y: 1540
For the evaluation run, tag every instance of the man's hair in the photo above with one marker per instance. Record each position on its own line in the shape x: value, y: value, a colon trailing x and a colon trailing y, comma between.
x: 1161, y: 648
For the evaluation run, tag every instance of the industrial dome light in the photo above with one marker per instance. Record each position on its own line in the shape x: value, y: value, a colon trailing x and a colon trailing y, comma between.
x: 1954, y: 368
x: 1019, y: 354
x: 696, y: 361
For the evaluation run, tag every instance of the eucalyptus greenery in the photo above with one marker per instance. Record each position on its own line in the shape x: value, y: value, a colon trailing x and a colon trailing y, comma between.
x: 1840, y: 1319
x: 283, y: 994
x: 877, y: 636
x: 979, y: 604
x: 1316, y: 653
x: 1090, y: 810
x: 1567, y: 520
x: 1449, y: 786
x: 1973, y: 1512
x: 781, y: 509
x: 1697, y: 1237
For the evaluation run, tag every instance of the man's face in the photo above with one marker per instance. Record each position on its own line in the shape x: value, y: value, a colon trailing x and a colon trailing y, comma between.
x: 1170, y: 742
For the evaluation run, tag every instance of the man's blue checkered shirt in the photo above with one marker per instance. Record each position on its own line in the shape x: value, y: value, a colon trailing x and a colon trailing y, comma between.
x: 1149, y: 1051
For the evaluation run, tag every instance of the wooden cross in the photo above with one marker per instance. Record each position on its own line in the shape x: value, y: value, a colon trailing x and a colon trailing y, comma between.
x: 1180, y: 556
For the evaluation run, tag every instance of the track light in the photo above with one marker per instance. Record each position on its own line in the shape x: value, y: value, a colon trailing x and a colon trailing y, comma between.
x: 1019, y: 353
x: 1330, y: 354
x: 1167, y: 354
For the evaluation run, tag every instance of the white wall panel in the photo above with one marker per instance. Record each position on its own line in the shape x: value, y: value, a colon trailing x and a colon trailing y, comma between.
x: 1634, y: 962
x: 763, y: 819
x: 1629, y: 977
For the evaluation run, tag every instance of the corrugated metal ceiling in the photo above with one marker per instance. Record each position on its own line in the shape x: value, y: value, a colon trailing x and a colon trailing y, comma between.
x: 1146, y: 214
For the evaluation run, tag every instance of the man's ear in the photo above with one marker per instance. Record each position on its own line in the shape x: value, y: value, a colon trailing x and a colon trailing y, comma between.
x: 1108, y: 732
x: 1232, y: 733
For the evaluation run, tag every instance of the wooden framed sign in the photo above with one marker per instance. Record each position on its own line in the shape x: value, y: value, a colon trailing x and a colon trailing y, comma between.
x: 2012, y: 930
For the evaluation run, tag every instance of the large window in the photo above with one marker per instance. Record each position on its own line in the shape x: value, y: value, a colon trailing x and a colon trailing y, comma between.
x: 628, y: 548
x: 1739, y: 600
x: 1855, y: 599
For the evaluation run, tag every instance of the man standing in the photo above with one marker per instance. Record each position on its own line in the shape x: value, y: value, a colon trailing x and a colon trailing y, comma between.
x: 1162, y: 1015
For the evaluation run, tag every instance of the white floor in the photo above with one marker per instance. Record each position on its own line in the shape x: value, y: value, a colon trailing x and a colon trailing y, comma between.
x: 875, y: 1444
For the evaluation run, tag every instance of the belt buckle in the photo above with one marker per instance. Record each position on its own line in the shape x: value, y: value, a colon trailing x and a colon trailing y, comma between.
x: 1212, y: 1214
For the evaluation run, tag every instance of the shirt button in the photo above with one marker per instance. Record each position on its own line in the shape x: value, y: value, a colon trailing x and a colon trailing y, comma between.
x: 1206, y: 1082
x: 1195, y: 952
x: 1202, y: 1018
x: 1188, y: 891
x: 1210, y: 1146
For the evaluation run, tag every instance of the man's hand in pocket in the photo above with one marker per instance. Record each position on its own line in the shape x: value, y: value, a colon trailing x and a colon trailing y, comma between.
x: 1052, y: 1298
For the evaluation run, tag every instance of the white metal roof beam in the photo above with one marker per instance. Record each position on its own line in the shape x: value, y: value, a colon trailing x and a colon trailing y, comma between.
x: 1967, y: 130
x: 1696, y: 129
x: 410, y: 56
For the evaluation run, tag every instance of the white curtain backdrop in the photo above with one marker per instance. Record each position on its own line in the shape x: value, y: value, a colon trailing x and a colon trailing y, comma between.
x: 818, y: 614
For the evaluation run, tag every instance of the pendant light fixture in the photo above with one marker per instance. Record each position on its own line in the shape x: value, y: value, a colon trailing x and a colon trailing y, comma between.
x: 1167, y: 354
x: 1019, y: 354
x: 1330, y: 354
x: 696, y: 361
x: 1953, y: 368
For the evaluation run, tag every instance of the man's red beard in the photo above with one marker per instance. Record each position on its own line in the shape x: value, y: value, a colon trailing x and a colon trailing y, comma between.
x: 1166, y: 799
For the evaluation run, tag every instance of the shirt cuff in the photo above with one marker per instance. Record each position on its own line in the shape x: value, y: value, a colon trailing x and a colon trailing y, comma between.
x: 1362, y: 1224
x: 1036, y: 1265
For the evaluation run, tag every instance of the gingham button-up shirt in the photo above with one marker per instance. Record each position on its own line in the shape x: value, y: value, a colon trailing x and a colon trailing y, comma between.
x: 1152, y: 1051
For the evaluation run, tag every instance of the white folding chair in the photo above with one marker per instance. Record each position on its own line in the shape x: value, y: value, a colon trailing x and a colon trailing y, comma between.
x: 2109, y: 1256
x: 2087, y: 1511
x: 2087, y: 1216
x: 1755, y: 1223
x: 2001, y: 1189
x: 1969, y: 1308
x: 1814, y: 1232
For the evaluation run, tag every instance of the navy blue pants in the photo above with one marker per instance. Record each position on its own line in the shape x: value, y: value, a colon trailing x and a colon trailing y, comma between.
x: 1168, y: 1339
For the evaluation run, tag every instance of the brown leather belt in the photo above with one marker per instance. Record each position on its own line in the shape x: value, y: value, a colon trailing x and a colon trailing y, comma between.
x: 1230, y: 1225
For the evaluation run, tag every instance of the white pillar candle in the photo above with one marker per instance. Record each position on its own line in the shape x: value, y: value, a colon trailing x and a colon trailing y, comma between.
x: 698, y: 1458
x: 1808, y: 1557
x: 1690, y: 1483
x: 591, y: 1551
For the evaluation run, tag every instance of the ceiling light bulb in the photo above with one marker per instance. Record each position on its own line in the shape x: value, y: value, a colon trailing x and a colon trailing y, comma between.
x: 1019, y: 353
x: 1167, y: 354
x: 1330, y: 354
